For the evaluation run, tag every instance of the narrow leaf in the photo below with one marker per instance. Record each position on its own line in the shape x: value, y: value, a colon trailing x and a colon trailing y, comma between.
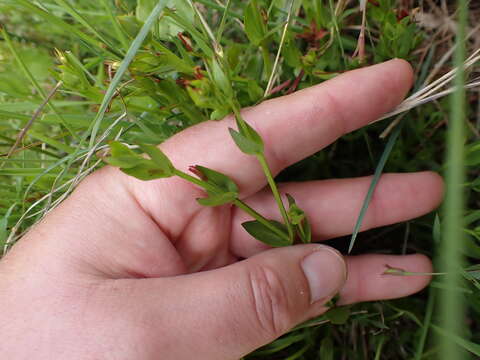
x: 146, y: 170
x: 246, y: 145
x: 373, y: 185
x: 338, y: 315
x: 266, y: 235
x: 159, y: 158
x: 122, y: 156
x: 221, y: 79
x: 255, y: 26
x: 249, y: 132
x: 220, y: 181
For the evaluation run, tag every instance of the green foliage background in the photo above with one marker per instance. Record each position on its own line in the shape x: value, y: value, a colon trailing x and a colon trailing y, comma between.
x: 167, y: 88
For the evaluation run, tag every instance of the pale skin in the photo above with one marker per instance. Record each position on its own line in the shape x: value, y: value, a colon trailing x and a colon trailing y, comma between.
x: 126, y: 269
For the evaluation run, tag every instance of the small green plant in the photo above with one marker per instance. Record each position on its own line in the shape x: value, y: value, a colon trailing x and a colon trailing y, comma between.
x: 137, y: 72
x: 220, y: 189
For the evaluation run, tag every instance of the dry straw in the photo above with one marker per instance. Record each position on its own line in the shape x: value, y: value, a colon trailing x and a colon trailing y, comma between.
x: 435, y: 90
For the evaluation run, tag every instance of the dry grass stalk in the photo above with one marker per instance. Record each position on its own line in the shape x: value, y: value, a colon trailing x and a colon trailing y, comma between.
x: 434, y: 90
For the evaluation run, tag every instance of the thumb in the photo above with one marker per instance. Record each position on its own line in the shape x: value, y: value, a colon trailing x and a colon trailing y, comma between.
x: 229, y: 312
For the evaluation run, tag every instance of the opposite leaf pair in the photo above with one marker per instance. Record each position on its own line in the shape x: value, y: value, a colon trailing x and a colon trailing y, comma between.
x: 221, y: 190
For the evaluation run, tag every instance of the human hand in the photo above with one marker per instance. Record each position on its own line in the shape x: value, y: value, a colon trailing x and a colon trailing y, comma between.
x: 125, y: 269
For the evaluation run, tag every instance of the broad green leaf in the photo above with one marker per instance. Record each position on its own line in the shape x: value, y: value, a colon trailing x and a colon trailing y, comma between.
x: 266, y: 235
x: 136, y: 165
x: 255, y: 24
x: 146, y: 170
x: 338, y: 315
x: 220, y: 181
x: 122, y: 156
x: 218, y: 199
x: 159, y: 158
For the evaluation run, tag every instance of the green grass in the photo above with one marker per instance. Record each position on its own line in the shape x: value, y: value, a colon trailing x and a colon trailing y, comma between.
x: 114, y: 84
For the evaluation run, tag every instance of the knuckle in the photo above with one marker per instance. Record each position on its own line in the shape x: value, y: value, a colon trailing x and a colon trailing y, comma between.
x: 269, y: 299
x: 338, y: 118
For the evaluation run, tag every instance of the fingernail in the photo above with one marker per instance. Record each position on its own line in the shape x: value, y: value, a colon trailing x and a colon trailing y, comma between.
x: 326, y: 273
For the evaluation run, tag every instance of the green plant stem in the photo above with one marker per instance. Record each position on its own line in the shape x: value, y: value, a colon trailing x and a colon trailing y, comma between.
x: 426, y: 324
x: 203, y: 184
x: 276, y: 194
x: 237, y: 202
x: 268, y: 173
x: 451, y: 303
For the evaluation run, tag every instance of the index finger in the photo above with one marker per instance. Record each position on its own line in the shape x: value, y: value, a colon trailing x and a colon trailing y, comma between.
x: 295, y: 126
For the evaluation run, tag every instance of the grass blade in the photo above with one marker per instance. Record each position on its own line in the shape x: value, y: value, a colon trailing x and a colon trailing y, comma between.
x: 132, y: 52
x: 373, y: 185
x: 451, y: 309
x: 426, y: 324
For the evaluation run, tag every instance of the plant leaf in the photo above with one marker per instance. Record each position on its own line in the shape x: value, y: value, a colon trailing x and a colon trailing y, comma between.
x: 255, y: 26
x: 136, y: 165
x: 146, y: 170
x: 220, y: 181
x: 249, y: 132
x: 266, y: 235
x: 159, y: 158
x: 221, y: 79
x: 246, y: 145
x: 338, y: 315
x: 122, y: 156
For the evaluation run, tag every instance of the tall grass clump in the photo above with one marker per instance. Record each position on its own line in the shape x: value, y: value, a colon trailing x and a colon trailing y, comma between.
x: 84, y: 83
